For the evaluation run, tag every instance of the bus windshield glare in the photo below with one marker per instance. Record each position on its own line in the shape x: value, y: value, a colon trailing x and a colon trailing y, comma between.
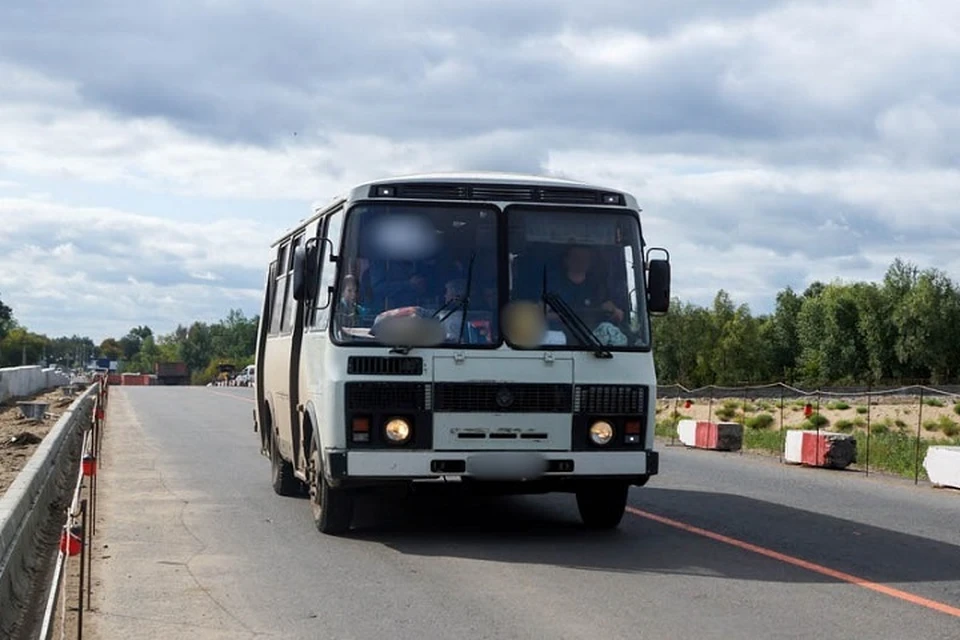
x: 427, y: 274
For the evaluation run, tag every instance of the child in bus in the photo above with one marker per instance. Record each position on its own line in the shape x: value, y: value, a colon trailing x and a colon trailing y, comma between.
x: 349, y: 309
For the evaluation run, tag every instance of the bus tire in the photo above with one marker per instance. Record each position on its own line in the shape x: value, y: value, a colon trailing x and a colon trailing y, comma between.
x: 281, y: 472
x: 602, y: 504
x: 332, y: 507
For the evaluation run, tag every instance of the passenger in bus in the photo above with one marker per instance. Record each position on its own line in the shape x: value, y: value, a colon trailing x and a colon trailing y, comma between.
x: 349, y: 310
x: 582, y: 287
x: 398, y: 283
x: 456, y: 290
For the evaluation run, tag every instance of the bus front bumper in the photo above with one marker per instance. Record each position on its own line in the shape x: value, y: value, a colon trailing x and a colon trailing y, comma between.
x: 495, y: 465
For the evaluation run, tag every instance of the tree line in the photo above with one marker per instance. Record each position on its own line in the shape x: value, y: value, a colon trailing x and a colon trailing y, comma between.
x: 897, y: 331
x: 201, y: 345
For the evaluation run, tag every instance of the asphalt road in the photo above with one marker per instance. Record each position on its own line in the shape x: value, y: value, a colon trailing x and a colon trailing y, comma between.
x: 198, y: 546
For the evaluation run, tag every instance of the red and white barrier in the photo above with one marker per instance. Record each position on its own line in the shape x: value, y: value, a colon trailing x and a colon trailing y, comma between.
x: 820, y: 449
x: 943, y: 466
x: 717, y: 436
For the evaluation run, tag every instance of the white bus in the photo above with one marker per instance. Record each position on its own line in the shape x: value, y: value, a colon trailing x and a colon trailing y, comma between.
x: 490, y: 330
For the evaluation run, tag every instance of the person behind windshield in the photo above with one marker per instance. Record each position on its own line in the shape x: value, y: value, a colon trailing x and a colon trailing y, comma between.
x: 581, y: 287
x: 349, y: 309
x: 454, y: 291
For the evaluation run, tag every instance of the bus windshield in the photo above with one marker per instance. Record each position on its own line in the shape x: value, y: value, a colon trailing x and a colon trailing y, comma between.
x: 418, y: 274
x: 583, y: 269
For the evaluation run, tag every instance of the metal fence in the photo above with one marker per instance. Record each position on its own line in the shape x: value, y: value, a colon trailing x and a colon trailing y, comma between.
x: 888, y: 423
x: 76, y: 539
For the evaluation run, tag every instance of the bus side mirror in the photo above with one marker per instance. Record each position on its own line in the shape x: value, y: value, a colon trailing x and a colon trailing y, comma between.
x: 306, y: 271
x: 658, y: 284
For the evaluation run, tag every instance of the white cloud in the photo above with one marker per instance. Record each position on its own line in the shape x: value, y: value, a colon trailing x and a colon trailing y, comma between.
x: 146, y: 162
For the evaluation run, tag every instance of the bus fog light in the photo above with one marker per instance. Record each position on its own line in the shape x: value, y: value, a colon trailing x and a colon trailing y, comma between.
x: 397, y: 430
x: 601, y: 432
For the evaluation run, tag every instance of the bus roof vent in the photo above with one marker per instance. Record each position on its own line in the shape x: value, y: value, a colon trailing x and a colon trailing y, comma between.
x: 495, y: 192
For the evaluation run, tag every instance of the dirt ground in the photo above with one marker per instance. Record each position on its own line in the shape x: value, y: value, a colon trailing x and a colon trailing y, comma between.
x: 899, y: 413
x: 20, y: 437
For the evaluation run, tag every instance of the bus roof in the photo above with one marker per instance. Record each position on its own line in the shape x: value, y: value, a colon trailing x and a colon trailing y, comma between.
x: 362, y: 189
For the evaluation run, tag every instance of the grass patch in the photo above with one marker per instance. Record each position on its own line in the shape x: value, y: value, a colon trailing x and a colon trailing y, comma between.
x: 837, y: 405
x: 760, y: 421
x: 665, y: 428
x: 934, y: 402
x: 893, y: 452
x: 956, y: 408
x: 859, y: 422
x: 900, y: 424
x: 862, y: 410
x: 761, y: 439
x: 843, y: 426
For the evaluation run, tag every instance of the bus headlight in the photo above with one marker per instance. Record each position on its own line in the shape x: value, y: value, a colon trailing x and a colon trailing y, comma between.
x: 601, y: 432
x: 397, y: 430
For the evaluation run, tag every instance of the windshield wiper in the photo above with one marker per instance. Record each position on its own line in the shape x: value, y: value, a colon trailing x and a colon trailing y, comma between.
x: 460, y: 303
x: 570, y: 318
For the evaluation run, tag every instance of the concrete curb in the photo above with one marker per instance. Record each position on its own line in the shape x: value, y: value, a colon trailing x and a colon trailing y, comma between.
x: 28, y: 505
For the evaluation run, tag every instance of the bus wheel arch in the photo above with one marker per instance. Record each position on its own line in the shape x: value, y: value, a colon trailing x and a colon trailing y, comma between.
x: 282, y: 478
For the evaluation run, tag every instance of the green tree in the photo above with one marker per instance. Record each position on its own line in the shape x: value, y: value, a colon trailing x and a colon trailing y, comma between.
x: 926, y: 321
x: 6, y: 320
x: 197, y: 347
x: 110, y: 348
x: 21, y: 347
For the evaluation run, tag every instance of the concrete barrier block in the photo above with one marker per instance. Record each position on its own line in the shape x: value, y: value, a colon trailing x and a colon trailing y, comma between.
x: 717, y: 436
x: 943, y: 466
x: 19, y: 382
x: 820, y: 449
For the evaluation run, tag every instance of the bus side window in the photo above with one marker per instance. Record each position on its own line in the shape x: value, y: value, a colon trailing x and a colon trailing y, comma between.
x: 288, y: 304
x: 334, y: 230
x: 279, y: 292
x: 323, y: 255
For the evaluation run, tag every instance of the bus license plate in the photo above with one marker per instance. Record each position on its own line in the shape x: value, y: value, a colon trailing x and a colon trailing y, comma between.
x: 501, y: 466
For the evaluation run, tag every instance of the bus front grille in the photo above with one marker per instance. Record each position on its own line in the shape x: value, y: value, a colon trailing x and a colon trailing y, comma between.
x: 494, y: 397
x: 610, y: 399
x: 386, y: 396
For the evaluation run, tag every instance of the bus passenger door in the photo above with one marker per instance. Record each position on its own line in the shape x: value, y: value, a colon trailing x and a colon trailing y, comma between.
x: 315, y: 340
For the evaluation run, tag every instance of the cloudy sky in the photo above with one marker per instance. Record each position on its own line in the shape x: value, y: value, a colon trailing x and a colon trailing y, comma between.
x: 149, y: 154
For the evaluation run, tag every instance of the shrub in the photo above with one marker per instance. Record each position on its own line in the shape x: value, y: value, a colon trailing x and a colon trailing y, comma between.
x: 956, y: 408
x: 859, y: 422
x: 838, y: 405
x: 880, y: 428
x: 900, y: 424
x: 760, y: 421
x: 862, y: 410
x: 934, y: 402
x: 843, y: 426
x: 818, y: 420
x: 944, y: 424
x: 726, y: 413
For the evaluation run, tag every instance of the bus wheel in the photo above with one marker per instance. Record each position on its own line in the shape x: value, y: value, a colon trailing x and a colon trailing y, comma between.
x: 332, y: 508
x: 602, y: 504
x: 281, y: 472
